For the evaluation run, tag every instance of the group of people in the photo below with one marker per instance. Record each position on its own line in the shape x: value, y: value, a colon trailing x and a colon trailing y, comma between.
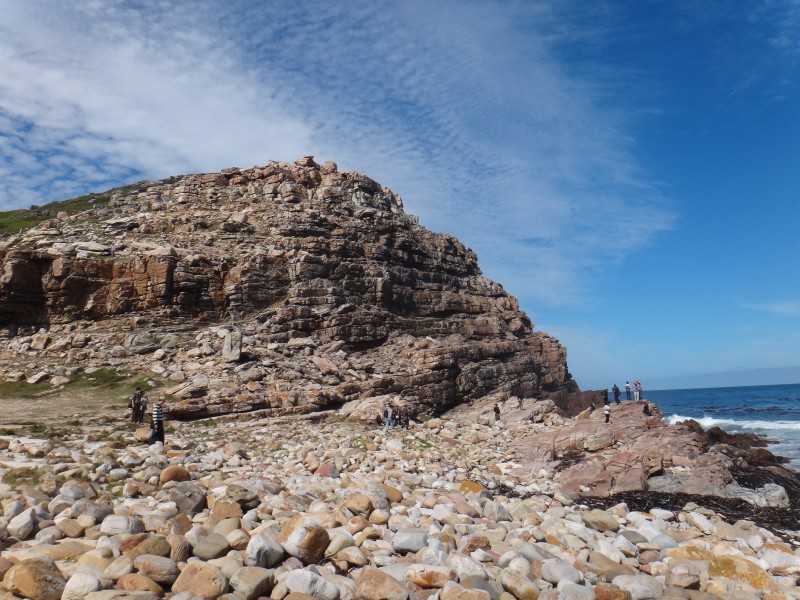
x: 637, y: 391
x: 615, y: 390
x: 139, y: 402
x: 394, y: 417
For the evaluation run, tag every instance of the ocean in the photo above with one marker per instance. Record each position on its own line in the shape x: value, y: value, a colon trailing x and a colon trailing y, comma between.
x: 770, y: 410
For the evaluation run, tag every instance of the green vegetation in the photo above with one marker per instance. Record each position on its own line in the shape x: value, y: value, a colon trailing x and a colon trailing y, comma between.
x: 22, y: 476
x: 104, y: 377
x: 13, y: 221
x: 120, y: 383
x: 416, y: 443
x: 22, y: 389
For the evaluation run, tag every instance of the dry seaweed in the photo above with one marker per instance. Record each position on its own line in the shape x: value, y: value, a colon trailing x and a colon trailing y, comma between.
x: 779, y: 521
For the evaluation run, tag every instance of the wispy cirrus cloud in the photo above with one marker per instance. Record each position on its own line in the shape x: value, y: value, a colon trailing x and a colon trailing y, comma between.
x: 465, y: 109
x: 786, y: 308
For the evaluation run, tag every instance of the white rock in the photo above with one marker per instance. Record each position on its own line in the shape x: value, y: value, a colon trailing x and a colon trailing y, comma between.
x: 308, y: 582
x: 555, y: 570
x: 118, y: 524
x: 641, y: 587
x: 22, y: 525
x: 79, y: 585
x: 263, y: 551
x: 700, y: 521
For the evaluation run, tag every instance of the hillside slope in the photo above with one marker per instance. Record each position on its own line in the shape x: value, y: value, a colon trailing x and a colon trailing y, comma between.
x: 288, y: 287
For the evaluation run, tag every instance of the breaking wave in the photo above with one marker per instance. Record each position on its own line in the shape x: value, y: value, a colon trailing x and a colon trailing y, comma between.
x: 707, y: 422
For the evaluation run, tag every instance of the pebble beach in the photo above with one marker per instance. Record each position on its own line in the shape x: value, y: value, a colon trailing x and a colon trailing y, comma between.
x: 319, y: 507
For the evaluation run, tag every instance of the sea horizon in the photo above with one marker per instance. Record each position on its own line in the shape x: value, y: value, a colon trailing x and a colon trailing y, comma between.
x: 770, y: 411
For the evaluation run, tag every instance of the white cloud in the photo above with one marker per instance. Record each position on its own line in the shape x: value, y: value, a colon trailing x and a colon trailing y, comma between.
x: 788, y: 308
x: 462, y: 108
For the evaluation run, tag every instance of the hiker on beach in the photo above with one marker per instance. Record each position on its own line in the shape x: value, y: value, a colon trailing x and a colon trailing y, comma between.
x: 387, y: 416
x: 404, y: 417
x: 607, y: 412
x: 637, y: 390
x: 627, y: 390
x: 136, y: 406
x: 496, y: 412
x: 615, y: 391
x: 157, y: 422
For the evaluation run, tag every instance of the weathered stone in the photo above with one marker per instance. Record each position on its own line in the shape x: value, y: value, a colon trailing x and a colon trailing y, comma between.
x: 160, y: 569
x: 741, y: 569
x: 600, y: 520
x: 429, y: 576
x: 263, y: 551
x: 252, y: 582
x: 174, y: 473
x: 302, y: 538
x: 80, y: 585
x: 137, y: 582
x: 519, y: 585
x: 213, y: 546
x: 640, y: 586
x: 373, y: 584
x: 201, y: 579
x: 307, y: 582
x: 409, y: 540
x: 35, y: 578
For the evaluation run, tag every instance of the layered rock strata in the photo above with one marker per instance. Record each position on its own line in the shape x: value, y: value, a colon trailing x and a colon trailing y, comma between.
x: 288, y: 287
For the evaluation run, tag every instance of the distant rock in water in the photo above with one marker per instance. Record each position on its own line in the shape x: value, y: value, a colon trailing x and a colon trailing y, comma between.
x: 289, y: 287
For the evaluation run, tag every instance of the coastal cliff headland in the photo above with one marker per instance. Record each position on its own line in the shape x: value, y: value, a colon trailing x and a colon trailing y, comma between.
x: 279, y: 309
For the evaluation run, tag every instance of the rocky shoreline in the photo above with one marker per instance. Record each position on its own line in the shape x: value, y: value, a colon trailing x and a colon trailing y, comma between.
x: 316, y: 506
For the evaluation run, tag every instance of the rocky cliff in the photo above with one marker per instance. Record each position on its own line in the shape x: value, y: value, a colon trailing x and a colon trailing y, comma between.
x: 288, y: 287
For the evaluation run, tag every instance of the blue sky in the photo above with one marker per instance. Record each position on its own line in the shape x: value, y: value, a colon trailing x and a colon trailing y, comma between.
x: 628, y: 170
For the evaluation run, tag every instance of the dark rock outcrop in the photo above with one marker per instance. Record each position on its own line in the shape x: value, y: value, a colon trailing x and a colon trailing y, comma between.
x: 289, y: 287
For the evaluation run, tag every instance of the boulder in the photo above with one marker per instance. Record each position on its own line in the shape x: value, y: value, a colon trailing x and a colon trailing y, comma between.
x: 35, y: 578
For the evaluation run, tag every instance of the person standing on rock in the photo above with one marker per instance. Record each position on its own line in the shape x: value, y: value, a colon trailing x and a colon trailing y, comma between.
x: 496, y: 412
x: 157, y: 422
x: 136, y: 405
x: 615, y: 391
x: 627, y: 390
x: 387, y: 416
x: 143, y: 402
x: 607, y: 412
x: 637, y: 390
x: 404, y: 417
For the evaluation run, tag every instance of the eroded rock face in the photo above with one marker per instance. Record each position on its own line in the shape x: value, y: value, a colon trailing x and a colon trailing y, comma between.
x: 291, y: 287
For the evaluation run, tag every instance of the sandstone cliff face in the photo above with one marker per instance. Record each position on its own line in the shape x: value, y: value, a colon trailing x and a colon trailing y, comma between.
x: 292, y: 287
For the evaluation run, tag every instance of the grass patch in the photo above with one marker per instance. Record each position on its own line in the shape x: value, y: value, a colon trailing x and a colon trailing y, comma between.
x: 14, y: 221
x: 416, y: 443
x: 120, y: 384
x: 22, y: 389
x: 22, y: 476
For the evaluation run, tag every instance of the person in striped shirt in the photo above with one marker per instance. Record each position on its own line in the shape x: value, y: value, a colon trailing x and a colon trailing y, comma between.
x: 157, y: 422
